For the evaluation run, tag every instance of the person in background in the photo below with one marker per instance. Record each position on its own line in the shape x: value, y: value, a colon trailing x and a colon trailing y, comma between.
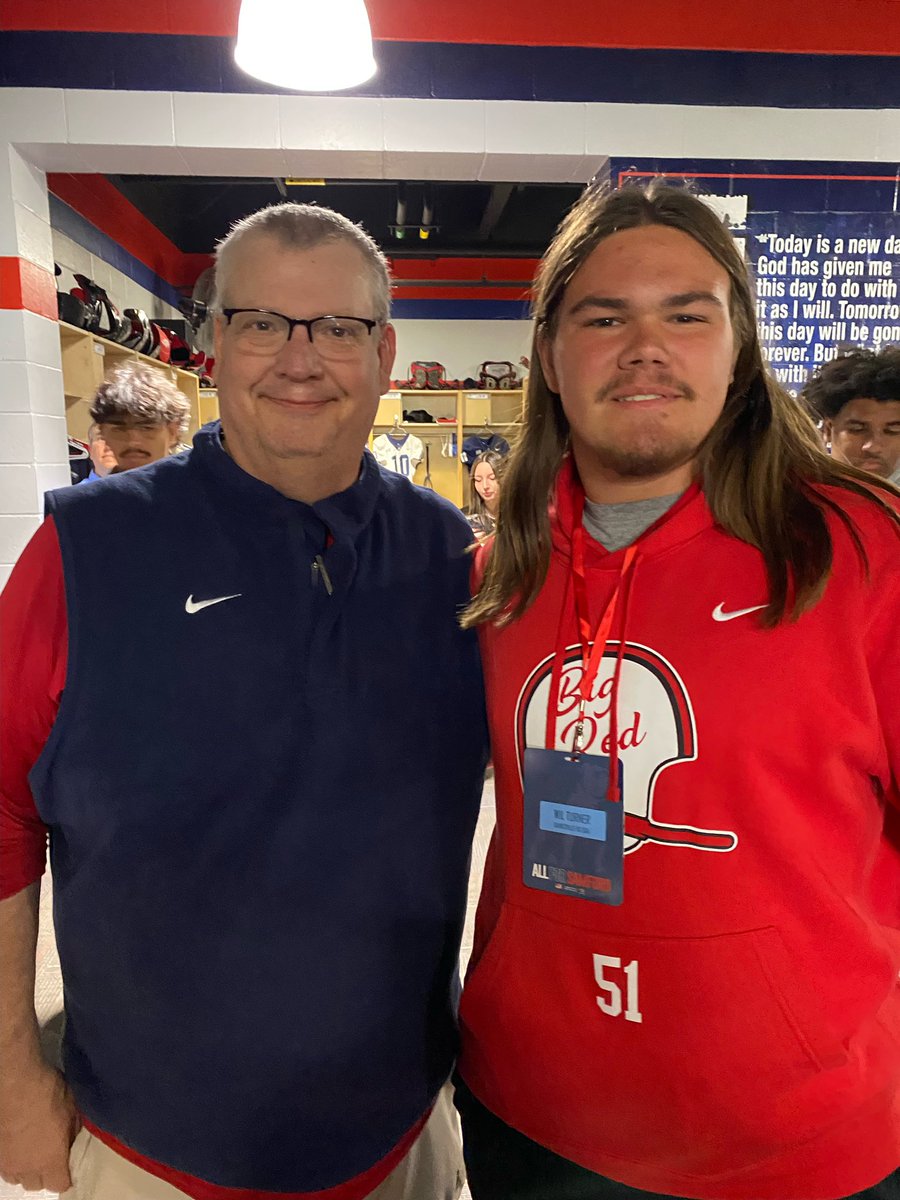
x: 140, y: 414
x: 484, y: 493
x: 102, y: 458
x: 687, y: 946
x: 856, y: 396
x: 259, y: 841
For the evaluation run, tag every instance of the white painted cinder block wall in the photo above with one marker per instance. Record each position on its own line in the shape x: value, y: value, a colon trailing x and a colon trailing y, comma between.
x: 121, y: 289
x: 462, y: 346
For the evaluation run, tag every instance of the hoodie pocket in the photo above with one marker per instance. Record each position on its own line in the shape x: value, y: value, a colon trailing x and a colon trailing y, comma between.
x: 709, y: 1050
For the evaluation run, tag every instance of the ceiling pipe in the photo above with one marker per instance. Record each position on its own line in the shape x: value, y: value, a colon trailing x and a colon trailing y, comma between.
x: 427, y: 216
x: 493, y: 210
x: 399, y: 228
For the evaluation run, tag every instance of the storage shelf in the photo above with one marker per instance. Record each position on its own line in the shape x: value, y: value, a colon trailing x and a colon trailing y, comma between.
x: 87, y: 358
x: 472, y: 408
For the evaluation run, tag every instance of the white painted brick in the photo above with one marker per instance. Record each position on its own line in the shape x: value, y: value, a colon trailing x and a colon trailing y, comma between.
x: 331, y: 123
x: 9, y: 228
x: 454, y: 126
x: 334, y: 164
x: 533, y: 127
x: 12, y: 334
x: 49, y: 439
x: 887, y: 124
x: 424, y: 164
x: 16, y: 440
x: 234, y: 160
x: 41, y: 341
x: 530, y: 168
x: 137, y: 160
x: 33, y: 115
x: 23, y: 182
x: 14, y: 396
x: 18, y: 489
x: 26, y: 337
x: 73, y: 259
x: 122, y: 289
x: 31, y: 388
x: 101, y: 273
x: 62, y: 156
x: 650, y: 128
x: 33, y: 238
x: 45, y: 391
x: 50, y: 476
x: 120, y: 119
x: 226, y: 120
x: 15, y: 533
x: 62, y: 247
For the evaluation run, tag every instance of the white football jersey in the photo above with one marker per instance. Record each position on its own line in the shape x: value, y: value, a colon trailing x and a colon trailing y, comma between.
x: 402, y: 456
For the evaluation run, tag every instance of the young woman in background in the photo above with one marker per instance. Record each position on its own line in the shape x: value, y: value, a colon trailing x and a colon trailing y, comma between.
x: 484, y: 493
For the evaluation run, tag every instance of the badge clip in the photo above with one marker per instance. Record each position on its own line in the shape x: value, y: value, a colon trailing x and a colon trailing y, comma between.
x: 578, y: 739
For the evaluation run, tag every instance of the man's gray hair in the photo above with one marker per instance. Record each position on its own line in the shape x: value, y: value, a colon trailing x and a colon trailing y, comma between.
x: 145, y: 393
x: 301, y: 227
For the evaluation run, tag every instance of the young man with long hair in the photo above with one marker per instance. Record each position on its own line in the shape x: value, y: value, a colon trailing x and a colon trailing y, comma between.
x: 684, y: 980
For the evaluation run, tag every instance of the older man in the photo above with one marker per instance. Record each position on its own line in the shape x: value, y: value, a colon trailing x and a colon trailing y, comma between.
x: 260, y: 878
x: 103, y: 461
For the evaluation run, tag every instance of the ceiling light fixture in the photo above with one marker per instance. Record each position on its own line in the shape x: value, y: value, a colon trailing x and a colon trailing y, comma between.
x: 305, y: 45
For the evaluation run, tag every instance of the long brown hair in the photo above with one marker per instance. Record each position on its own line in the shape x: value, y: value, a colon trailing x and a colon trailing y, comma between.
x: 477, y: 507
x: 758, y: 466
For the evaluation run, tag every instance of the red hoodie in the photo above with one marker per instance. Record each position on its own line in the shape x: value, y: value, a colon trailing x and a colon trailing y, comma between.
x: 732, y: 1030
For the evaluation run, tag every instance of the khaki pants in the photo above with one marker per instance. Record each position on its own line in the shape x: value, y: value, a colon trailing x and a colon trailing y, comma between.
x: 432, y: 1170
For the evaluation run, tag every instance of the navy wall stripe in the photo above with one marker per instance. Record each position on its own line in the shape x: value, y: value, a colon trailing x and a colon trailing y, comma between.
x: 168, y: 62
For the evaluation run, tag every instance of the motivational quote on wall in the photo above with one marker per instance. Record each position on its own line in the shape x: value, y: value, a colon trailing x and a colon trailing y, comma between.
x: 824, y: 282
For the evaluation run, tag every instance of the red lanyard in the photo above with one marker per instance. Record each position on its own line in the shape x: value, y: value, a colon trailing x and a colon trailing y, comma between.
x: 592, y: 648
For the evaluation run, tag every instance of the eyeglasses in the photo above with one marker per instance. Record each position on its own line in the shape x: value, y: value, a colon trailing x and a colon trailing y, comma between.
x: 257, y: 331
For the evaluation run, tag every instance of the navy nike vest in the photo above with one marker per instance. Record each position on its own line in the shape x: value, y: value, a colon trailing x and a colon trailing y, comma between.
x: 261, y: 812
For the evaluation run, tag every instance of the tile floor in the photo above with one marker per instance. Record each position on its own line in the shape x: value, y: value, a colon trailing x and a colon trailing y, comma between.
x: 48, y: 984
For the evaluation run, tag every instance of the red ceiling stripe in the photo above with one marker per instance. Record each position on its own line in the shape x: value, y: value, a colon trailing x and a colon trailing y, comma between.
x: 804, y: 26
x: 496, y: 270
x: 215, y: 18
x: 98, y: 201
x: 457, y: 293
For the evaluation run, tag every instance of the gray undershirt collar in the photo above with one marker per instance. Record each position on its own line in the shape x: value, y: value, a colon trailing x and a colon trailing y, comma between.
x: 617, y: 525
